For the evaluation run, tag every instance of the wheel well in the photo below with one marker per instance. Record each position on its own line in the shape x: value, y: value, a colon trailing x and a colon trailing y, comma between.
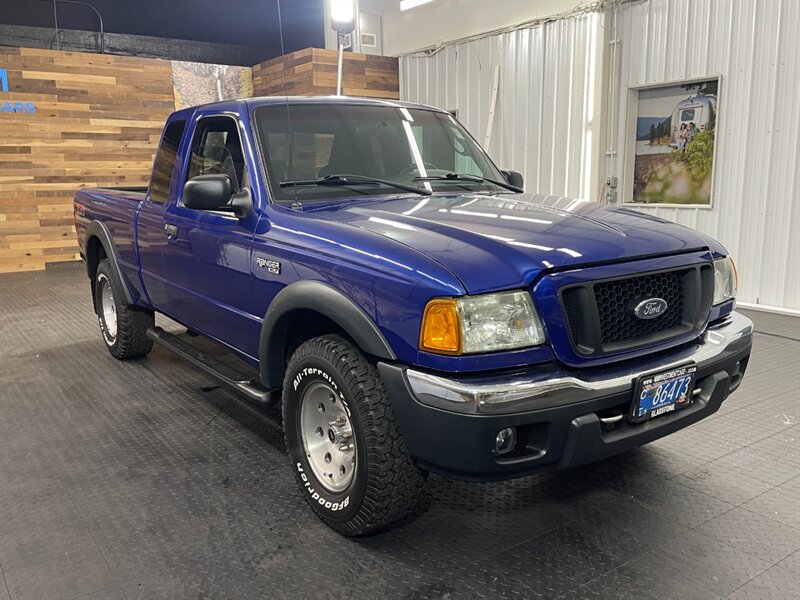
x: 303, y: 325
x: 95, y: 252
x: 296, y: 327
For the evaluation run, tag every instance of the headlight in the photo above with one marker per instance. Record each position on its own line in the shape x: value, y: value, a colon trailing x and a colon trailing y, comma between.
x: 487, y: 323
x: 725, y: 280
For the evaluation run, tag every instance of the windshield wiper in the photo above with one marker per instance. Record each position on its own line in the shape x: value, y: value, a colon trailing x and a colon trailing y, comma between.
x: 470, y: 177
x: 355, y: 180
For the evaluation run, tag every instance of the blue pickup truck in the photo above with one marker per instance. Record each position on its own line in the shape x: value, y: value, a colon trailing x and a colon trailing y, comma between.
x: 410, y: 307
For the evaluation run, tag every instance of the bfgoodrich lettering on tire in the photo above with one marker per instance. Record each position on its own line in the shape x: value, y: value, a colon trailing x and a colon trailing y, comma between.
x: 347, y: 453
x: 124, y: 328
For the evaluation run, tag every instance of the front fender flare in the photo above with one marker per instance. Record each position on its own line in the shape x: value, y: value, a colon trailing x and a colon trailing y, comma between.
x: 98, y: 229
x: 325, y: 300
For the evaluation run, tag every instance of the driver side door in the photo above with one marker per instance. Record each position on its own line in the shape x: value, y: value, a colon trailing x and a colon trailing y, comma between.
x: 208, y: 254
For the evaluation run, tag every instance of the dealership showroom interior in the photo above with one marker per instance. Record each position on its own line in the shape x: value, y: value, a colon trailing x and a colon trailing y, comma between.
x: 399, y: 299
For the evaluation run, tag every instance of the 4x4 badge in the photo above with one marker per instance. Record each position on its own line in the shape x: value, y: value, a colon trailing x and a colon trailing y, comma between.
x: 651, y: 308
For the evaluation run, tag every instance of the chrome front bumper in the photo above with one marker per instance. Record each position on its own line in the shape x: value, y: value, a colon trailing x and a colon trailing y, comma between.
x: 543, y: 387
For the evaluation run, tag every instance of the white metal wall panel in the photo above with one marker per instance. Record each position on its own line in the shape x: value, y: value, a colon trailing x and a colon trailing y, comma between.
x: 540, y: 123
x: 544, y: 122
x: 754, y: 48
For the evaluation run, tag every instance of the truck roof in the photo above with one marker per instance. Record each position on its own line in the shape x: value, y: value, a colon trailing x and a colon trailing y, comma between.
x: 251, y: 103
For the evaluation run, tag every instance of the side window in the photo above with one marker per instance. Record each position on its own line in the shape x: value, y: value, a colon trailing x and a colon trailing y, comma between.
x: 164, y: 163
x: 217, y: 150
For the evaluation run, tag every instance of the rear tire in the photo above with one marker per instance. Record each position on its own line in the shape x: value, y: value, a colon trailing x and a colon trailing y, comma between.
x: 124, y: 328
x: 347, y: 453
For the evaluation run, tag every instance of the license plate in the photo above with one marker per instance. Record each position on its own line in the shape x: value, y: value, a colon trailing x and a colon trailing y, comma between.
x: 662, y: 393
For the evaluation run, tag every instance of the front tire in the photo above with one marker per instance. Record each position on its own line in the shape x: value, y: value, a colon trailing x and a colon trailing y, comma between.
x: 124, y: 328
x: 347, y: 453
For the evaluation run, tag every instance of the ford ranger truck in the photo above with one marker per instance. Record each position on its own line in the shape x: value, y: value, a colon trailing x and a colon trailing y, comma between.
x: 407, y: 304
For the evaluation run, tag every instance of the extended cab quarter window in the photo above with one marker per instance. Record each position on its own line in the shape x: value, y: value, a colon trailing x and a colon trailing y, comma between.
x: 217, y: 150
x: 164, y: 163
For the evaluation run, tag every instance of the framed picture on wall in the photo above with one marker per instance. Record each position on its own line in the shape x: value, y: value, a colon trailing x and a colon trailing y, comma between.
x: 198, y: 83
x: 671, y: 143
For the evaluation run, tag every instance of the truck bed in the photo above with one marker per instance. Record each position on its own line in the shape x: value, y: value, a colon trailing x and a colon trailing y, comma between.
x: 117, y: 209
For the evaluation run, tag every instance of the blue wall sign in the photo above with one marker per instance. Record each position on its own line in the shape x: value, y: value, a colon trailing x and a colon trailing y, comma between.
x: 13, y: 107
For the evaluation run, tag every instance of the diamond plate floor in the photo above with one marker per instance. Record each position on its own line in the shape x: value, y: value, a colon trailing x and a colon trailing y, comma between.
x: 146, y: 480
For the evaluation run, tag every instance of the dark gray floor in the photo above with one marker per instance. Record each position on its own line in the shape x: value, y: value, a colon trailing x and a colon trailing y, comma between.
x: 145, y: 480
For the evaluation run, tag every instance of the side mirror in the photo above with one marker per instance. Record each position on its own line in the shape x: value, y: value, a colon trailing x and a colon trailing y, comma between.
x: 514, y: 178
x: 214, y: 192
x: 242, y: 203
x: 207, y: 192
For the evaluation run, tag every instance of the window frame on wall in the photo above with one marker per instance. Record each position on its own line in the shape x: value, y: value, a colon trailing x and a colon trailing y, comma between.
x: 629, y: 141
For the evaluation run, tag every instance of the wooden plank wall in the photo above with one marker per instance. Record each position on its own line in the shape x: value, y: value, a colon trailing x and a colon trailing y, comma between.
x: 98, y: 120
x: 312, y: 72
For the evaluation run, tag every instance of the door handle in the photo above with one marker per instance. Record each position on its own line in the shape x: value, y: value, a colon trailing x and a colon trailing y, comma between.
x: 171, y: 230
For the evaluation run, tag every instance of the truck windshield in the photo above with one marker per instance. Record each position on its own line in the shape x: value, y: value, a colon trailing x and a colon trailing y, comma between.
x: 309, y: 147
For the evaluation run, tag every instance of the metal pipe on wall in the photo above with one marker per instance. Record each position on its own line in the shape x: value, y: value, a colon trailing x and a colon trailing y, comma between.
x: 339, y: 69
x: 99, y: 17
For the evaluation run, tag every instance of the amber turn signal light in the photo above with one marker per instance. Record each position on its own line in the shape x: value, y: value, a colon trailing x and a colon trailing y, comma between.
x: 441, y: 331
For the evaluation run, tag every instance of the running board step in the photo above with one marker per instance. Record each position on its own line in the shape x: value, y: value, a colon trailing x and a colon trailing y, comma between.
x: 208, y: 364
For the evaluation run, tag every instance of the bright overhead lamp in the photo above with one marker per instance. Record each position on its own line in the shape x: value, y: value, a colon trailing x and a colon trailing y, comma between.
x: 342, y: 15
x: 409, y: 4
x: 343, y: 22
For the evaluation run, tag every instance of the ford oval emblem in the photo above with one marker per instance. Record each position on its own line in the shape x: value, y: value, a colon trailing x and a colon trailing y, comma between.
x: 651, y: 308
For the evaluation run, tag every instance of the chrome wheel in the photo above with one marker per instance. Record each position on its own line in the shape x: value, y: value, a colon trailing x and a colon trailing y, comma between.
x: 327, y: 437
x: 108, y: 306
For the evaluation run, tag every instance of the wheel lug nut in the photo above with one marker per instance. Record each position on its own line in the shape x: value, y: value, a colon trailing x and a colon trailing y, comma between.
x: 345, y: 447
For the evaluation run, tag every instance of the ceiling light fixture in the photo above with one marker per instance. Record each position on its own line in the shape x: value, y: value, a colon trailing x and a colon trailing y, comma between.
x: 342, y: 15
x: 343, y: 22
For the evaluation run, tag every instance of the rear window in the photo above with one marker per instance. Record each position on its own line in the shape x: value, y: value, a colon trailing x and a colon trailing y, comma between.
x: 687, y: 114
x: 164, y: 163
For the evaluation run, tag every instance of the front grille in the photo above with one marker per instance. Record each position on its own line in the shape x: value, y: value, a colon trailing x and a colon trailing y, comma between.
x: 601, y: 319
x: 622, y: 325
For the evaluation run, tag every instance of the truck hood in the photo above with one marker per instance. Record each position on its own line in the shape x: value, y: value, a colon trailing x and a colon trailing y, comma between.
x: 493, y: 242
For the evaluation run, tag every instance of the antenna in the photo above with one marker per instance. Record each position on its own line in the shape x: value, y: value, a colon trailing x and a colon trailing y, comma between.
x: 295, y: 203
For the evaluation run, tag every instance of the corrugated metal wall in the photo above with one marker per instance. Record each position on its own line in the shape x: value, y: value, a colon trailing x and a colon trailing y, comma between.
x: 754, y: 47
x: 549, y: 90
x: 540, y: 123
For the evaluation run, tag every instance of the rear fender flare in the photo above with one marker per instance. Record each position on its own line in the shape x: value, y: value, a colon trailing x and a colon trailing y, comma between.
x: 98, y: 229
x: 327, y: 301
